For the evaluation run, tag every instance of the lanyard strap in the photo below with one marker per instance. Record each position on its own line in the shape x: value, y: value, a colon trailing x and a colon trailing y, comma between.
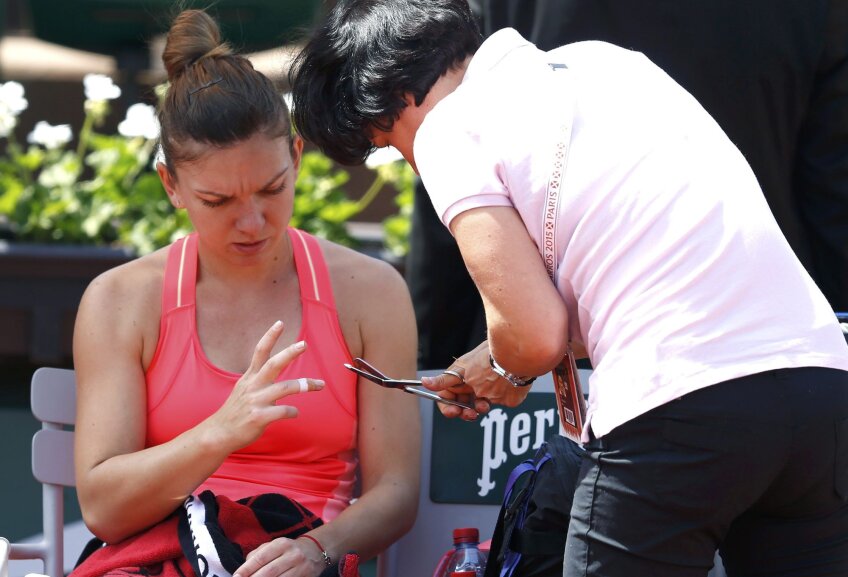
x: 571, y: 404
x: 552, y: 196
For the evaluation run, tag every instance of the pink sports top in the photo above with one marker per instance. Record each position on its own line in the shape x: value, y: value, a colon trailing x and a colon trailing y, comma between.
x: 311, y: 458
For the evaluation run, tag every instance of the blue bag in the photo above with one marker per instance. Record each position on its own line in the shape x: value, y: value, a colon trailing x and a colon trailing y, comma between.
x: 529, y: 538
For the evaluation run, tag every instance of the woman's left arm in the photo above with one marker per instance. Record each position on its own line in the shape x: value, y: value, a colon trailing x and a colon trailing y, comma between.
x: 389, y: 421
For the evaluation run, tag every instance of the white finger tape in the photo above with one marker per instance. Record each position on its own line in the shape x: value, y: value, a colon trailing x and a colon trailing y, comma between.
x: 304, y: 384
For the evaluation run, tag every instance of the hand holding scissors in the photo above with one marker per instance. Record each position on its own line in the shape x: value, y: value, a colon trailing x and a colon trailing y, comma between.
x: 364, y: 369
x: 471, y: 375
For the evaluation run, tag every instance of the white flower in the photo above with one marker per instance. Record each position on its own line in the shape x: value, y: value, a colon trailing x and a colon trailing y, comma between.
x: 12, y: 103
x: 7, y: 122
x: 58, y: 175
x: 381, y: 156
x: 48, y: 136
x: 140, y: 121
x: 12, y: 98
x: 100, y: 87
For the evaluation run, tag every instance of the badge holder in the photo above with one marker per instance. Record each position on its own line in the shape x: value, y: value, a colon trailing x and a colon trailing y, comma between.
x: 571, y: 404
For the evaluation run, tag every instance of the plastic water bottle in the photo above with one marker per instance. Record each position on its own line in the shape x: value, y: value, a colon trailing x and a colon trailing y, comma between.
x: 467, y: 559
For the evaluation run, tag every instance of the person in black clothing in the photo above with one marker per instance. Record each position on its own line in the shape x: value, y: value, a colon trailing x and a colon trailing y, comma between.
x: 448, y: 308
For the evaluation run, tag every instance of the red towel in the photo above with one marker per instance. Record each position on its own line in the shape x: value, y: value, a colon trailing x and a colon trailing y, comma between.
x: 236, y: 528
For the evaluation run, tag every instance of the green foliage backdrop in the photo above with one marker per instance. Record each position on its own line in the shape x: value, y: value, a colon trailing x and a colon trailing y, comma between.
x: 106, y: 192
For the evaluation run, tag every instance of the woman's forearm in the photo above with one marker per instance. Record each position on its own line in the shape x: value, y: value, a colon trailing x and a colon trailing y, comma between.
x: 376, y: 520
x: 128, y: 493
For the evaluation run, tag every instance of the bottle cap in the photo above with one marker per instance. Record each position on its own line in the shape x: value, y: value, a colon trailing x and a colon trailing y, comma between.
x: 466, y: 535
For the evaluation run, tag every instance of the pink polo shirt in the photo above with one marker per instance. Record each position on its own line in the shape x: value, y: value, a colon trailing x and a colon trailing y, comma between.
x: 673, y: 270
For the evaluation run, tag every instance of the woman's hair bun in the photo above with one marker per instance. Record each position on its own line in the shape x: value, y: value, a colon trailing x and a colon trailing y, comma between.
x: 194, y: 35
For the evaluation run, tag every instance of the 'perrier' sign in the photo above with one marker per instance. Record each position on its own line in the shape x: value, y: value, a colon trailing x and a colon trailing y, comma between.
x: 471, y: 461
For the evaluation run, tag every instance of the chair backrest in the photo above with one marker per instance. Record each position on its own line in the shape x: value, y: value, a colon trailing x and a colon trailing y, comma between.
x: 4, y: 557
x: 464, y: 466
x: 53, y: 402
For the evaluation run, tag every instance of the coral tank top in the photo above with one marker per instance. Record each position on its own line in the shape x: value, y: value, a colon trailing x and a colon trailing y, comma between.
x: 311, y: 458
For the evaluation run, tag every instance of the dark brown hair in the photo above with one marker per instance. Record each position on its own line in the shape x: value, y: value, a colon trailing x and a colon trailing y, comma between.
x: 359, y: 65
x: 215, y: 98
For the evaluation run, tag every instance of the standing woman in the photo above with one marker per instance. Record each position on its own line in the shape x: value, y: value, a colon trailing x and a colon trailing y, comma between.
x: 594, y: 201
x: 217, y: 363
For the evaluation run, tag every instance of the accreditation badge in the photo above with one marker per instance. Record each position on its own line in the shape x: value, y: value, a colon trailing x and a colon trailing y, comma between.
x: 571, y: 403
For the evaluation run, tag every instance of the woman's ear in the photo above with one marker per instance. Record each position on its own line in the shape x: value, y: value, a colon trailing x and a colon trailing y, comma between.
x: 168, y: 182
x: 296, y: 151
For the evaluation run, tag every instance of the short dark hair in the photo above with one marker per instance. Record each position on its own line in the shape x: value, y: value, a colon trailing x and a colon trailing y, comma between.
x: 216, y: 97
x: 358, y: 65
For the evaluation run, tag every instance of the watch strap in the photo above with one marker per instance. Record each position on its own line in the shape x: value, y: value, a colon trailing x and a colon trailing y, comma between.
x: 514, y: 380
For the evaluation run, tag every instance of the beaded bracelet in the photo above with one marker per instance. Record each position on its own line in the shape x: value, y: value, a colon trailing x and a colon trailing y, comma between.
x: 326, y: 557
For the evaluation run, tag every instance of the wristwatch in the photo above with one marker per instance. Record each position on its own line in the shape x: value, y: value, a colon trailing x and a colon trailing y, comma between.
x: 513, y: 380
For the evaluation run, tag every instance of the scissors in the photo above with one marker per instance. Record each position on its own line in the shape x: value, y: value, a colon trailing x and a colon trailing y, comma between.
x: 363, y: 369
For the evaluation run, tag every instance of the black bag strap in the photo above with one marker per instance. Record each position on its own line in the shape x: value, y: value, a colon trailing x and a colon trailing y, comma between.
x: 496, y: 549
x: 516, y: 495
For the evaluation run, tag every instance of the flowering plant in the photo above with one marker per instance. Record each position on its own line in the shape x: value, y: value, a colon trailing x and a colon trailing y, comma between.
x: 105, y: 191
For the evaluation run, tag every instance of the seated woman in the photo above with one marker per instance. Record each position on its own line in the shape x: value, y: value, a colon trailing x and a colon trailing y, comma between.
x: 175, y: 396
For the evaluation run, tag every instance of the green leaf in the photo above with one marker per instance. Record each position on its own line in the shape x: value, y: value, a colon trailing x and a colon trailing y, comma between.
x: 12, y: 190
x: 338, y: 212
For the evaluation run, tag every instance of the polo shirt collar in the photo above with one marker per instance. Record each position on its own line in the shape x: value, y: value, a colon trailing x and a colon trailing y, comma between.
x: 493, y: 50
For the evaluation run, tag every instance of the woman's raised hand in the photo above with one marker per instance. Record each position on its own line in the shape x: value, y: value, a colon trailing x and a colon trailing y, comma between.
x: 252, y: 405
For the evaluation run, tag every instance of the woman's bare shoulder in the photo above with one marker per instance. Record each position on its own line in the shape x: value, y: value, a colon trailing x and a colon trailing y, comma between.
x: 123, y: 305
x: 367, y: 291
x: 135, y: 281
x: 358, y: 276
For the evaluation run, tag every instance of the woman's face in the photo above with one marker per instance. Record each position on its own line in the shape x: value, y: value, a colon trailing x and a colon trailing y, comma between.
x: 239, y: 198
